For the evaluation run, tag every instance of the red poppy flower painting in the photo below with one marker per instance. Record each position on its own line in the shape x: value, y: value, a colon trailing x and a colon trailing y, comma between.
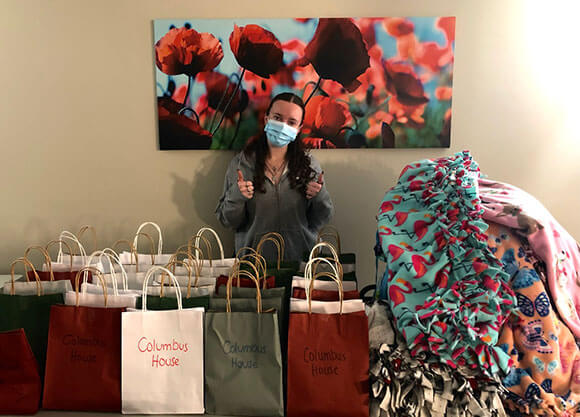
x: 367, y: 82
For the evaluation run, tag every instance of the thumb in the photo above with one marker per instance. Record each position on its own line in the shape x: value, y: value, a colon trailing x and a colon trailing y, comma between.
x: 321, y: 178
x: 240, y: 175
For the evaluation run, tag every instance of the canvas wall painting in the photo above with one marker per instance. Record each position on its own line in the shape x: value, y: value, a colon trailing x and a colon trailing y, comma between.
x: 379, y: 82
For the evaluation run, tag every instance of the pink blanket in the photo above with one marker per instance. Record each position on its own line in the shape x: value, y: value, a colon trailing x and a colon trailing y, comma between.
x: 513, y: 207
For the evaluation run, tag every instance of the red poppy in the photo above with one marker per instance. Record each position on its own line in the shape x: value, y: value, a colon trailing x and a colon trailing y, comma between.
x: 432, y: 56
x: 443, y: 93
x: 318, y: 143
x: 215, y: 84
x: 398, y: 26
x: 256, y: 49
x: 447, y: 25
x: 406, y: 46
x: 404, y: 84
x: 338, y: 52
x: 324, y: 117
x: 376, y: 121
x: 411, y: 116
x: 177, y: 131
x: 367, y: 28
x: 186, y: 51
x: 302, y: 19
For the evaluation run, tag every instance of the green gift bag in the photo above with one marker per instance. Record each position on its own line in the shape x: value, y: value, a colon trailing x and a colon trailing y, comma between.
x: 162, y: 302
x: 243, y: 360
x: 31, y: 313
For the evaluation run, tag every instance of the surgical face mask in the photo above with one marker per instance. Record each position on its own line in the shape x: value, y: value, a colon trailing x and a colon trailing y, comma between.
x: 280, y: 134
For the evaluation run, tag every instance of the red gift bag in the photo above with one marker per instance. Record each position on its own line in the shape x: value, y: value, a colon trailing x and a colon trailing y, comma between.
x: 83, y: 360
x: 49, y: 274
x: 322, y: 295
x: 328, y: 364
x: 20, y: 385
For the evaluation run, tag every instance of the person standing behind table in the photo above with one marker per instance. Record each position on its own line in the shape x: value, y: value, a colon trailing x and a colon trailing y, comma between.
x: 274, y: 185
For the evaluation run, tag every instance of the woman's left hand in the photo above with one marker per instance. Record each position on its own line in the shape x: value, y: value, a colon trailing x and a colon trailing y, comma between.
x: 314, y: 187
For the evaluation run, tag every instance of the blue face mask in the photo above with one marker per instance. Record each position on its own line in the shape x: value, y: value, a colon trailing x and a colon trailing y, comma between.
x: 280, y: 134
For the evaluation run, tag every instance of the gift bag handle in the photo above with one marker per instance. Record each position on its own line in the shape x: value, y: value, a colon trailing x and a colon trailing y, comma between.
x: 174, y: 263
x: 151, y: 245
x: 260, y: 262
x: 276, y: 242
x: 160, y: 241
x: 94, y: 232
x: 101, y: 254
x: 46, y: 259
x: 85, y: 270
x: 61, y: 242
x: 131, y: 249
x: 247, y: 274
x: 70, y: 236
x: 217, y: 238
x: 310, y: 278
x: 26, y: 263
x: 330, y: 231
x: 148, y: 276
x: 115, y: 256
x: 237, y: 268
x: 330, y: 247
x: 191, y: 244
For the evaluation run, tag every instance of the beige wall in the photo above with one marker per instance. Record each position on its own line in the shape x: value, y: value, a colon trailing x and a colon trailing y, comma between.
x: 78, y: 131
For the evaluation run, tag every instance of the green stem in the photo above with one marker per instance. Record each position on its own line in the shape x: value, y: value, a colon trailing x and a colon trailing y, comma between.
x: 314, y: 90
x: 221, y: 101
x: 236, y: 131
x: 189, y: 82
x: 229, y: 101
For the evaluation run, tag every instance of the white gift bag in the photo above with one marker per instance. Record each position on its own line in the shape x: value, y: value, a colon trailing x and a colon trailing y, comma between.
x: 67, y: 262
x: 165, y: 347
x: 213, y: 267
x: 324, y: 307
x: 95, y: 299
x: 36, y: 287
x: 113, y: 279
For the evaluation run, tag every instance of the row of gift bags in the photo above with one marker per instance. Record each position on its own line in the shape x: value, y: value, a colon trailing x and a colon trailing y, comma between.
x: 252, y: 326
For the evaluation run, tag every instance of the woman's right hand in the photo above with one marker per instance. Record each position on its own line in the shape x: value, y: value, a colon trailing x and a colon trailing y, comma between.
x: 246, y: 187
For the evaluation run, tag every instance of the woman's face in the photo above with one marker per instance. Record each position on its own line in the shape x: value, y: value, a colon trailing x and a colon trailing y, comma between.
x: 286, y: 112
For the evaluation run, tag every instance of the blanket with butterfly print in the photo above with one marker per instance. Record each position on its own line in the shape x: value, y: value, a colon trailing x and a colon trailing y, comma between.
x: 551, y: 243
x: 545, y: 378
x: 447, y: 291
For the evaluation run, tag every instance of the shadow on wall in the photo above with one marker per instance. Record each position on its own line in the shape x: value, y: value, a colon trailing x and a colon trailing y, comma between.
x: 198, y: 197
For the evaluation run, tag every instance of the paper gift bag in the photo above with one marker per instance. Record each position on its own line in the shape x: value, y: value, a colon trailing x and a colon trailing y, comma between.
x: 301, y: 282
x: 346, y: 261
x: 83, y: 361
x: 49, y: 286
x: 20, y: 385
x: 31, y: 313
x: 158, y: 258
x: 167, y: 298
x: 95, y: 299
x: 166, y: 348
x: 321, y: 295
x: 68, y: 261
x: 243, y: 362
x: 49, y: 271
x: 116, y: 282
x: 210, y: 266
x: 328, y: 362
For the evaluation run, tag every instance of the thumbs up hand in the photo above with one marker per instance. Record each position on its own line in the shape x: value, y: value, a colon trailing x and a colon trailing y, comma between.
x: 246, y: 187
x: 314, y: 187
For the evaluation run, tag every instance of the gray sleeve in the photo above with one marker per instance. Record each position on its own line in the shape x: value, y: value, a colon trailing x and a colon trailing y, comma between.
x: 231, y: 207
x: 320, y: 208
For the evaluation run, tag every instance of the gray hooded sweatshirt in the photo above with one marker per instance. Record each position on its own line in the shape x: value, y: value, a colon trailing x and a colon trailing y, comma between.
x: 280, y: 209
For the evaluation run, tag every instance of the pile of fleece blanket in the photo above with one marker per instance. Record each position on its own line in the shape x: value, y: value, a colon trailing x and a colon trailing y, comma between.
x: 481, y: 293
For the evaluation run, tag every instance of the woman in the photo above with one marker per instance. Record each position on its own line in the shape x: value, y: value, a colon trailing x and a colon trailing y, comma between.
x: 273, y: 185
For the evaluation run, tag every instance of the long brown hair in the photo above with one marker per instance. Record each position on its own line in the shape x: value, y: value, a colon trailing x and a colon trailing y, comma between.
x: 298, y: 160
